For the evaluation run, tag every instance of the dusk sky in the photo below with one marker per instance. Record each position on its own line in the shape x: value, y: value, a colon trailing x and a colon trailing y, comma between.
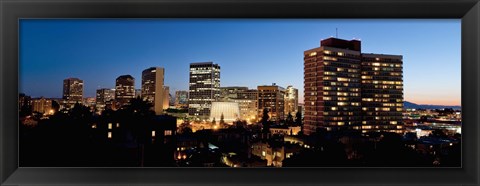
x: 250, y: 52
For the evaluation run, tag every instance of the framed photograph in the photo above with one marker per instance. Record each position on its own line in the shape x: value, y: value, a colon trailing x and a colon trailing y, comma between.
x: 234, y: 93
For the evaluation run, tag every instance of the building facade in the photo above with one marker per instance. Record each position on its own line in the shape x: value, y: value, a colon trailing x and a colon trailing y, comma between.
x: 291, y: 100
x: 153, y: 88
x: 382, y: 92
x: 42, y: 105
x: 103, y: 98
x: 72, y: 92
x: 334, y: 92
x: 204, y: 88
x: 272, y: 98
x: 124, y: 90
x: 247, y: 100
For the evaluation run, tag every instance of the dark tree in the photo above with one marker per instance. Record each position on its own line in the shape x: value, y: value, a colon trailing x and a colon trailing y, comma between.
x: 222, y: 122
x: 265, y: 116
x: 298, y: 118
x: 213, y: 121
x: 289, y: 120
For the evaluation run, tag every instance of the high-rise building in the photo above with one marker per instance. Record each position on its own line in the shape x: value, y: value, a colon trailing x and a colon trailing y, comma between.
x: 181, y: 99
x: 272, y: 98
x: 103, y: 98
x: 291, y: 100
x: 204, y: 88
x: 228, y: 93
x: 334, y: 89
x: 72, y: 92
x: 152, y: 88
x: 124, y: 90
x: 42, y: 105
x: 382, y: 92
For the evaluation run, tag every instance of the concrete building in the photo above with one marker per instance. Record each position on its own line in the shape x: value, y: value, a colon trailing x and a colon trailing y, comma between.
x: 72, y: 92
x: 166, y: 97
x: 124, y: 90
x: 204, y: 88
x: 271, y: 97
x: 153, y: 88
x: 333, y: 76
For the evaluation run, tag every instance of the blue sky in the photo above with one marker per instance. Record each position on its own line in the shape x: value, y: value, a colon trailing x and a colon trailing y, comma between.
x: 250, y: 52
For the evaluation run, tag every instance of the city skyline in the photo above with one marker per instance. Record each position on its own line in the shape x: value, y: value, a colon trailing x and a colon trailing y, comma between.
x: 73, y: 40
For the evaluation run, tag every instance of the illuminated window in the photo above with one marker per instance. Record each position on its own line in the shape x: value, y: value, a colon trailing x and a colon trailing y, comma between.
x: 109, y: 135
x: 327, y: 98
x: 364, y: 108
x: 342, y: 103
x: 153, y: 133
x: 334, y: 108
x: 109, y: 125
x: 94, y: 126
x: 340, y: 53
x: 118, y: 125
x: 327, y: 52
x: 393, y: 122
x: 168, y: 132
x: 264, y: 153
x: 313, y: 54
x: 341, y: 123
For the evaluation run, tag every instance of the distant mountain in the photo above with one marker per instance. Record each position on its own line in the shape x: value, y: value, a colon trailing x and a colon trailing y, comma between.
x: 410, y: 105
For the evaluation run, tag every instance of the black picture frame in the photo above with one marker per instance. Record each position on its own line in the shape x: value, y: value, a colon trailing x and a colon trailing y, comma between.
x: 466, y: 10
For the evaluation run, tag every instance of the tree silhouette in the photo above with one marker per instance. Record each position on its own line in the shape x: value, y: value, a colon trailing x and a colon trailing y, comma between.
x: 289, y: 120
x: 298, y: 118
x: 222, y: 122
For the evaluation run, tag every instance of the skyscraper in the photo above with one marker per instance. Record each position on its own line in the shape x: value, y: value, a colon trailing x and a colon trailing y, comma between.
x: 246, y: 98
x: 271, y: 97
x: 124, y: 90
x: 334, y: 87
x: 72, y: 92
x: 153, y: 90
x: 291, y: 100
x: 103, y: 98
x: 204, y: 88
x: 382, y: 92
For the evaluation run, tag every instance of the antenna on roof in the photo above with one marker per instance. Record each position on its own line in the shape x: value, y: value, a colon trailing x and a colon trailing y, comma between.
x: 336, y: 32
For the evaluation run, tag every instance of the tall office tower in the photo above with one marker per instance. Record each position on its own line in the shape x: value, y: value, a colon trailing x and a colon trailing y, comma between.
x: 166, y: 97
x: 103, y: 98
x: 291, y: 100
x: 347, y: 89
x: 332, y: 85
x: 72, y: 92
x: 152, y: 87
x: 42, y: 105
x: 181, y: 99
x: 382, y: 92
x: 204, y: 88
x: 271, y: 97
x: 124, y: 90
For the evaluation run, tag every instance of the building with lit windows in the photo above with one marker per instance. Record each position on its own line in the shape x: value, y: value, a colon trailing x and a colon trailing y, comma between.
x: 104, y: 97
x: 124, y: 90
x: 335, y: 88
x: 42, y: 105
x: 382, y: 92
x: 272, y: 98
x: 246, y: 98
x: 204, y: 88
x: 153, y: 88
x: 72, y: 92
x: 291, y: 100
